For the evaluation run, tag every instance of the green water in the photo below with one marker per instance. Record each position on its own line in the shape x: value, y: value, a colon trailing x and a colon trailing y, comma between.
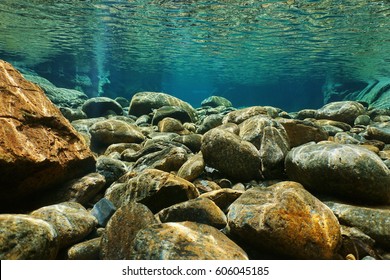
x: 252, y: 51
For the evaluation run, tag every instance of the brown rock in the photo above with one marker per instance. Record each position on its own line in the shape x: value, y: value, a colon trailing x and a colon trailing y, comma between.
x: 39, y: 149
x: 154, y: 188
x: 184, y: 241
x: 223, y: 198
x: 200, y: 210
x: 379, y: 131
x: 121, y: 230
x: 343, y: 111
x: 228, y: 153
x: 192, y: 168
x: 70, y: 219
x: 286, y: 219
x: 23, y: 237
x: 206, y: 185
x: 170, y: 125
x: 241, y: 115
x: 302, y: 132
x: 87, y: 250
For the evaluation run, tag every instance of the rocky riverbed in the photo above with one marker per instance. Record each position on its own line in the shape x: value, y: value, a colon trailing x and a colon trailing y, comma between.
x: 154, y: 178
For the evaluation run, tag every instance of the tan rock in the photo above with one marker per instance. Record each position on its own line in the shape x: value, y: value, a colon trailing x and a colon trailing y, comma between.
x: 223, y: 198
x: 39, y: 149
x: 184, y: 241
x: 286, y: 219
x: 87, y: 250
x: 23, y: 237
x: 241, y: 115
x: 70, y: 219
x: 122, y: 229
x: 192, y: 168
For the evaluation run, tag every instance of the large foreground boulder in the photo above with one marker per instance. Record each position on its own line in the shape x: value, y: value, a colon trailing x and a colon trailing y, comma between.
x: 39, y: 148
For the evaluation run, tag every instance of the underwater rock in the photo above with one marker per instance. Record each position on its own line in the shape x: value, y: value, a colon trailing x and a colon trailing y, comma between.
x: 347, y: 171
x: 145, y: 102
x: 302, y: 132
x: 223, y: 198
x: 62, y: 97
x: 39, y: 148
x: 111, y: 169
x: 362, y: 120
x: 192, y: 168
x: 121, y: 147
x: 241, y: 115
x: 205, y: 186
x: 111, y: 131
x: 343, y: 111
x: 228, y: 153
x: 122, y: 229
x: 372, y: 221
x: 184, y: 241
x: 270, y: 138
x: 73, y: 114
x: 171, y: 125
x: 348, y: 138
x: 192, y: 141
x: 87, y: 250
x: 286, y: 219
x: 216, y: 101
x: 379, y: 131
x: 200, y: 210
x: 102, y: 211
x: 154, y: 188
x: 70, y: 219
x: 101, y: 106
x: 306, y: 114
x: 124, y: 102
x: 210, y: 122
x: 174, y: 112
x: 23, y: 237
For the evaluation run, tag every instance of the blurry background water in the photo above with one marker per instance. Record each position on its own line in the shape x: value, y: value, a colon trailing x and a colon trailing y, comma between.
x: 280, y: 53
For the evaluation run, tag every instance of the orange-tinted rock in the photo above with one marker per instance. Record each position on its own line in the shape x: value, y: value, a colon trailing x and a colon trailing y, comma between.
x: 286, y: 219
x: 39, y: 148
x: 184, y: 241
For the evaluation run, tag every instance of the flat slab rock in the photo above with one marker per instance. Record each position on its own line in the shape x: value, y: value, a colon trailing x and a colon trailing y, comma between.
x: 342, y: 170
x: 39, y: 148
x: 287, y: 220
x: 184, y: 241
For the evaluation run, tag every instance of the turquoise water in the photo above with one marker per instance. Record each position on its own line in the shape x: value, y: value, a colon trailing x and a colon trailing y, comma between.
x: 279, y: 53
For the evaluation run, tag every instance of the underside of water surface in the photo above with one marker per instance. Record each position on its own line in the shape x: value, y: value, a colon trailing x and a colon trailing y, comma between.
x: 290, y: 54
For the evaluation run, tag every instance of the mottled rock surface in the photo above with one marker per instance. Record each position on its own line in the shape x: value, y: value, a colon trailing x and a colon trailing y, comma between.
x: 200, y: 210
x: 143, y: 103
x: 287, y: 219
x: 70, y: 219
x: 87, y: 250
x: 184, y: 241
x: 379, y: 131
x: 101, y: 106
x: 192, y: 168
x: 223, y: 198
x: 228, y: 153
x: 215, y: 101
x: 122, y: 229
x: 23, y: 237
x: 346, y: 171
x: 373, y: 221
x: 39, y: 149
x: 343, y: 111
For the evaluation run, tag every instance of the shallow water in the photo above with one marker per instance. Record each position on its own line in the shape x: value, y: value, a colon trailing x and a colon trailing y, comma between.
x: 279, y: 53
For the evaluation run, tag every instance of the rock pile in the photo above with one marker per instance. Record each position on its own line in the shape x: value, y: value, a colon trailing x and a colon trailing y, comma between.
x: 174, y: 182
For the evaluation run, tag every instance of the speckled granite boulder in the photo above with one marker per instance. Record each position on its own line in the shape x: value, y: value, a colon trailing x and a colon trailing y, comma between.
x: 375, y: 221
x: 101, y: 106
x: 228, y: 153
x: 241, y: 115
x: 121, y: 230
x: 184, y: 241
x: 343, y: 111
x: 70, y: 219
x: 379, y: 131
x: 216, y: 101
x: 287, y: 219
x: 200, y: 210
x: 87, y: 250
x: 143, y: 103
x: 223, y: 198
x: 23, y: 237
x: 348, y: 171
x: 271, y: 139
x: 192, y: 168
x: 39, y: 149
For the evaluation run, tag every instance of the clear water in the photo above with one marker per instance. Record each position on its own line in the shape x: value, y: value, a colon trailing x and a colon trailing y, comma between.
x: 278, y: 53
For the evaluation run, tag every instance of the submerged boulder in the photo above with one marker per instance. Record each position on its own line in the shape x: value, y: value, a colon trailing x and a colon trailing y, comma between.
x: 39, y: 149
x: 342, y: 111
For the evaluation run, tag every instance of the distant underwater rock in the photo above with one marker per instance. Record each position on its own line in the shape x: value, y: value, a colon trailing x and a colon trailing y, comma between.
x: 101, y: 106
x: 39, y: 149
x: 216, y: 101
x: 342, y: 111
x: 143, y: 103
x: 346, y: 171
